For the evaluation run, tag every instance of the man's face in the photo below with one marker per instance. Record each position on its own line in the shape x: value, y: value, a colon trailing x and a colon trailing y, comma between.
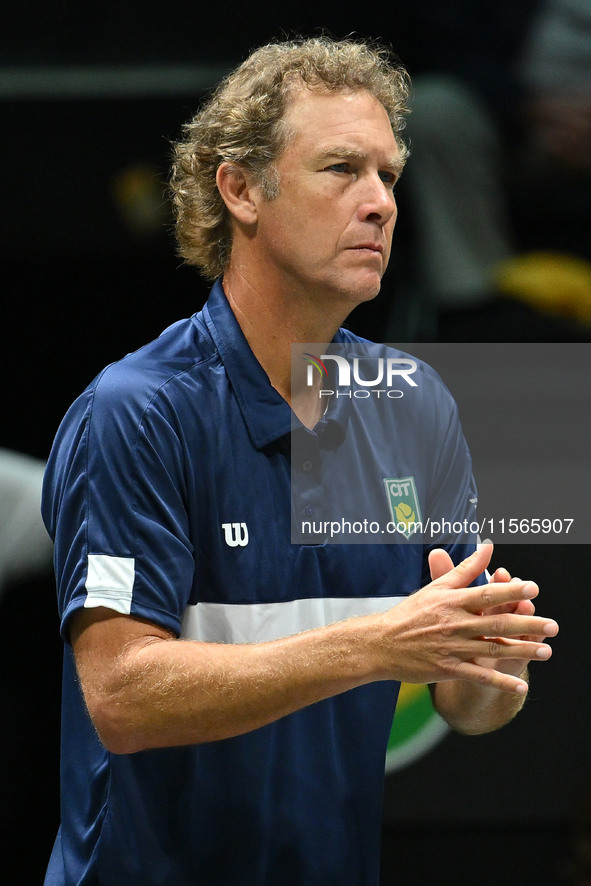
x: 328, y: 233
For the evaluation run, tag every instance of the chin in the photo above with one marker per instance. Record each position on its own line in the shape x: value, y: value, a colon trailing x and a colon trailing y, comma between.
x: 352, y: 290
x: 367, y: 289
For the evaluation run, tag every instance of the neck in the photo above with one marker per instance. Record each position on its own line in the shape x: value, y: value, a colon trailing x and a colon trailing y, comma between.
x: 277, y: 327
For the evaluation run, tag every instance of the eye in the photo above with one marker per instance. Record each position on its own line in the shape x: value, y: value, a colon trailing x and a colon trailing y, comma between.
x: 339, y: 167
x: 389, y: 178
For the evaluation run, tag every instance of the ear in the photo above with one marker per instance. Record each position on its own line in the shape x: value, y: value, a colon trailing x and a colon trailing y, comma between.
x: 237, y: 192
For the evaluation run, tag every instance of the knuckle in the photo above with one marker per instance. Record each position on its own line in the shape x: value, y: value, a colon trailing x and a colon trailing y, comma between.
x: 499, y: 626
x: 447, y: 628
x: 447, y: 662
x: 494, y: 649
x: 488, y: 597
x: 447, y: 622
x: 453, y: 667
x: 483, y: 678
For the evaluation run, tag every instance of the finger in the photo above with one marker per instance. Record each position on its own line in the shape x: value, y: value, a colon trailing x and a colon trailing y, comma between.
x: 501, y: 574
x: 526, y: 607
x: 519, y: 649
x: 465, y: 572
x: 491, y: 651
x: 495, y: 594
x: 475, y: 673
x: 513, y: 626
x: 523, y: 607
x: 439, y: 563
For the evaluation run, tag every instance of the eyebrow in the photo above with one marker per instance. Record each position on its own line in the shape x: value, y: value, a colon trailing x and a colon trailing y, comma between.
x: 396, y: 164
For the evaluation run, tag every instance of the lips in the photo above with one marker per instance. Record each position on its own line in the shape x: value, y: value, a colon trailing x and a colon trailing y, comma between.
x: 372, y: 247
x: 368, y: 248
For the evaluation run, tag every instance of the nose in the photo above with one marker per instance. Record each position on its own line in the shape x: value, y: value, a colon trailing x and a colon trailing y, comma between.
x: 378, y: 203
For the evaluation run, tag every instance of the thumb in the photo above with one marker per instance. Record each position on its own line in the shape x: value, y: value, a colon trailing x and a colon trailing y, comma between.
x: 439, y: 563
x: 464, y: 573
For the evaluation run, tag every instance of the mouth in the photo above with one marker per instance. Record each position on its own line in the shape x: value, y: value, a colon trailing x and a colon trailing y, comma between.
x: 376, y: 248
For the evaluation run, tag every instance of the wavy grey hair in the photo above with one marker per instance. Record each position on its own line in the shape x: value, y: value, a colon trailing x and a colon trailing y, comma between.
x: 242, y: 123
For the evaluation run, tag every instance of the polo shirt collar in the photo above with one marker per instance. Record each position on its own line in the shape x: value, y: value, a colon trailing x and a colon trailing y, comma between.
x: 266, y: 414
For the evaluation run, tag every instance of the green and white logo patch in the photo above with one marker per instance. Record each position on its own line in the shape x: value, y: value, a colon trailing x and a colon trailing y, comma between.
x: 404, y: 504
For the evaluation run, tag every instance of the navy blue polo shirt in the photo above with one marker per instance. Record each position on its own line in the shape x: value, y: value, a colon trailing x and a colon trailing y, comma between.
x: 168, y: 495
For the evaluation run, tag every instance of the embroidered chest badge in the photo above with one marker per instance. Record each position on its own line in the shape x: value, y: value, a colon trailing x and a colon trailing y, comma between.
x: 404, y: 504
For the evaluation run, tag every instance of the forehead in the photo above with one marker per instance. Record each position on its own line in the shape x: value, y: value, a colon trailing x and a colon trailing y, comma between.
x: 320, y: 119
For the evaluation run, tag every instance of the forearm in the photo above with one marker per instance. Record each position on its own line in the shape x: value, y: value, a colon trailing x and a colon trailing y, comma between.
x: 473, y: 709
x: 146, y: 689
x: 168, y: 692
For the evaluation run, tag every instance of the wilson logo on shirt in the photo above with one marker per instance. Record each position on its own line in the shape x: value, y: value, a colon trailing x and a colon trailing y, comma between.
x: 404, y: 504
x: 235, y: 534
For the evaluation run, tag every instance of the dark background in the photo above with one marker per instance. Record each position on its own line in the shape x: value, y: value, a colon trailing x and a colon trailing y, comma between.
x: 82, y: 284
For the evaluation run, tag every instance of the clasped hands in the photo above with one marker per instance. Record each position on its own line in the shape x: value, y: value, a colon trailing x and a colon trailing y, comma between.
x: 486, y: 634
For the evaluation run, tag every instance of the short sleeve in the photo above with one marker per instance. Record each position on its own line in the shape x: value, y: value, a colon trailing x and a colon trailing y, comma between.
x: 114, y: 502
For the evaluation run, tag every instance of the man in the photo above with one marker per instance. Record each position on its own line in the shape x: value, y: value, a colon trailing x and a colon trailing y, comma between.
x: 217, y: 675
